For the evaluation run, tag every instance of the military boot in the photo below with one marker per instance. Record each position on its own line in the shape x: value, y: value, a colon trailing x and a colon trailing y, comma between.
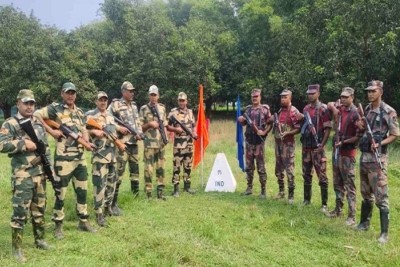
x: 248, y: 191
x: 17, y: 252
x: 135, y: 188
x: 116, y: 211
x: 107, y: 211
x: 58, y: 230
x: 324, y: 199
x: 384, y: 216
x: 262, y: 195
x: 338, y: 211
x: 38, y: 233
x: 176, y: 190
x: 291, y: 195
x: 160, y: 192
x: 281, y: 193
x: 366, y: 214
x: 101, y: 220
x: 149, y: 195
x: 186, y: 187
x: 307, y: 194
x: 86, y: 227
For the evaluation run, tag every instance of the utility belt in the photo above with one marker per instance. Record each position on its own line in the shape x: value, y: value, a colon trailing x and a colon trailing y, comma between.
x: 365, y: 144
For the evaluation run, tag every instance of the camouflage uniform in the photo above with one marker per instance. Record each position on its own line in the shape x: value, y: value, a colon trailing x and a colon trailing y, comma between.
x: 104, y: 176
x: 285, y: 149
x: 69, y: 161
x: 154, y: 150
x: 129, y: 114
x: 183, y: 146
x: 255, y: 146
x: 320, y: 118
x: 344, y: 170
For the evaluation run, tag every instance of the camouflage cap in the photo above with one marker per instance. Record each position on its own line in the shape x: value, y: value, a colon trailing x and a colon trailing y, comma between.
x: 312, y: 88
x: 153, y: 89
x: 102, y: 94
x: 68, y: 86
x: 374, y: 84
x: 256, y: 92
x: 347, y: 91
x: 127, y: 86
x: 286, y: 92
x: 182, y: 95
x: 26, y: 95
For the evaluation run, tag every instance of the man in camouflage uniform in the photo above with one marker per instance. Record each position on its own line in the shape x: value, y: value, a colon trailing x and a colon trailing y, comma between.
x: 126, y: 110
x: 183, y: 143
x: 285, y: 128
x: 313, y: 151
x: 154, y: 147
x: 382, y: 120
x: 256, y: 132
x: 104, y: 175
x: 28, y: 180
x: 344, y: 152
x: 69, y: 160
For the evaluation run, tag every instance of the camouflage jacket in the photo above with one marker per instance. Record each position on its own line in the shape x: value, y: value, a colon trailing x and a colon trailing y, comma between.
x: 320, y: 118
x: 66, y: 148
x: 12, y: 142
x: 129, y: 114
x: 105, y: 145
x: 260, y: 116
x: 186, y: 117
x: 288, y: 121
x: 152, y: 136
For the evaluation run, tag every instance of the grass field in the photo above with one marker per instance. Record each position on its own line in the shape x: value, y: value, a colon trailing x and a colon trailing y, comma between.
x: 212, y: 229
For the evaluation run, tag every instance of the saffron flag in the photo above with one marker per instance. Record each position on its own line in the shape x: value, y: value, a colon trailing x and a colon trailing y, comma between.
x: 239, y: 136
x: 202, y: 133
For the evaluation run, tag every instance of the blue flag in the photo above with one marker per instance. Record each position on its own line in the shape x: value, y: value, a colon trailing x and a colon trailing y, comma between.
x: 239, y: 136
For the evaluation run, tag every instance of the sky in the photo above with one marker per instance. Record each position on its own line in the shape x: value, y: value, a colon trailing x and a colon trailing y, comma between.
x: 64, y: 14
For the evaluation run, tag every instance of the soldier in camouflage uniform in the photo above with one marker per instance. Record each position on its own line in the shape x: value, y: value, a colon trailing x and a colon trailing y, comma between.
x: 256, y: 132
x: 285, y: 128
x: 382, y: 120
x: 104, y: 175
x: 154, y: 150
x: 313, y: 153
x: 28, y: 180
x: 344, y: 148
x: 69, y: 160
x: 126, y: 110
x: 183, y: 143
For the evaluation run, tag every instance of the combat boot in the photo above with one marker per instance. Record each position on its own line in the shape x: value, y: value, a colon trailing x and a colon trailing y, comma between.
x: 160, y: 192
x: 107, y: 211
x: 307, y: 194
x: 384, y: 216
x: 149, y: 195
x: 86, y: 227
x: 38, y: 233
x: 262, y: 193
x: 366, y: 214
x: 135, y: 188
x: 337, y: 212
x: 101, y: 220
x: 58, y: 230
x: 176, y: 190
x: 186, y: 187
x: 291, y: 196
x: 281, y: 193
x: 17, y: 252
x: 116, y: 211
x: 248, y: 191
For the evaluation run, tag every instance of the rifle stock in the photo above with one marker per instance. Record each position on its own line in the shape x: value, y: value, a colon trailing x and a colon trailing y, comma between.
x: 94, y: 124
x: 130, y: 129
x: 174, y: 120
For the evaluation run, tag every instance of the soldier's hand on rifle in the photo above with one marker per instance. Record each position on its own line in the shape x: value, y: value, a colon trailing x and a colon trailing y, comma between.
x: 338, y: 144
x: 374, y: 147
x: 241, y: 119
x: 299, y: 116
x: 30, y: 146
x: 57, y: 134
x: 261, y: 132
x: 137, y: 137
x: 179, y: 130
x: 361, y: 124
x: 123, y: 130
x: 283, y: 135
x: 319, y: 149
x: 97, y: 133
x: 92, y: 147
x: 154, y: 124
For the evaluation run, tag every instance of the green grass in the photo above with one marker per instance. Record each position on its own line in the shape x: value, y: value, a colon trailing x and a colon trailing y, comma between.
x: 212, y: 229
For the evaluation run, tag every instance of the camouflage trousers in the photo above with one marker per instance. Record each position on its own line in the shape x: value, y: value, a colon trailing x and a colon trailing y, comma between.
x: 29, y: 198
x: 374, y: 183
x: 284, y: 161
x: 132, y: 158
x: 255, y: 153
x: 104, y: 179
x: 64, y: 172
x: 317, y: 160
x: 182, y: 157
x: 344, y: 183
x: 154, y: 158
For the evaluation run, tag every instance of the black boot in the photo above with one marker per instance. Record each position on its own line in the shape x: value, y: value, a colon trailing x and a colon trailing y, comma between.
x: 291, y: 195
x: 186, y: 187
x: 160, y: 192
x: 281, y: 193
x: 116, y: 211
x: 38, y: 233
x: 324, y: 199
x: 135, y: 188
x: 307, y: 194
x: 383, y: 238
x: 101, y: 220
x: 262, y: 195
x: 17, y: 235
x: 366, y: 214
x: 176, y: 190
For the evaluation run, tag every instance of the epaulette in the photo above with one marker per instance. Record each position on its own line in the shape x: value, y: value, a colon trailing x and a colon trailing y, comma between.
x: 174, y: 109
x: 55, y: 104
x: 265, y: 106
x: 388, y: 109
x: 115, y: 99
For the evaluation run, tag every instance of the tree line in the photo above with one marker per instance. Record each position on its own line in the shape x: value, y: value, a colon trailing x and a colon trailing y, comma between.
x: 230, y: 46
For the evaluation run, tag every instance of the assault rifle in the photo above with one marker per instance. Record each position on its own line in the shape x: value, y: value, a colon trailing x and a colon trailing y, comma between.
x: 130, y: 129
x: 278, y: 125
x: 94, y: 124
x: 370, y: 136
x: 174, y: 120
x: 311, y: 127
x: 161, y: 129
x: 252, y: 125
x: 40, y: 151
